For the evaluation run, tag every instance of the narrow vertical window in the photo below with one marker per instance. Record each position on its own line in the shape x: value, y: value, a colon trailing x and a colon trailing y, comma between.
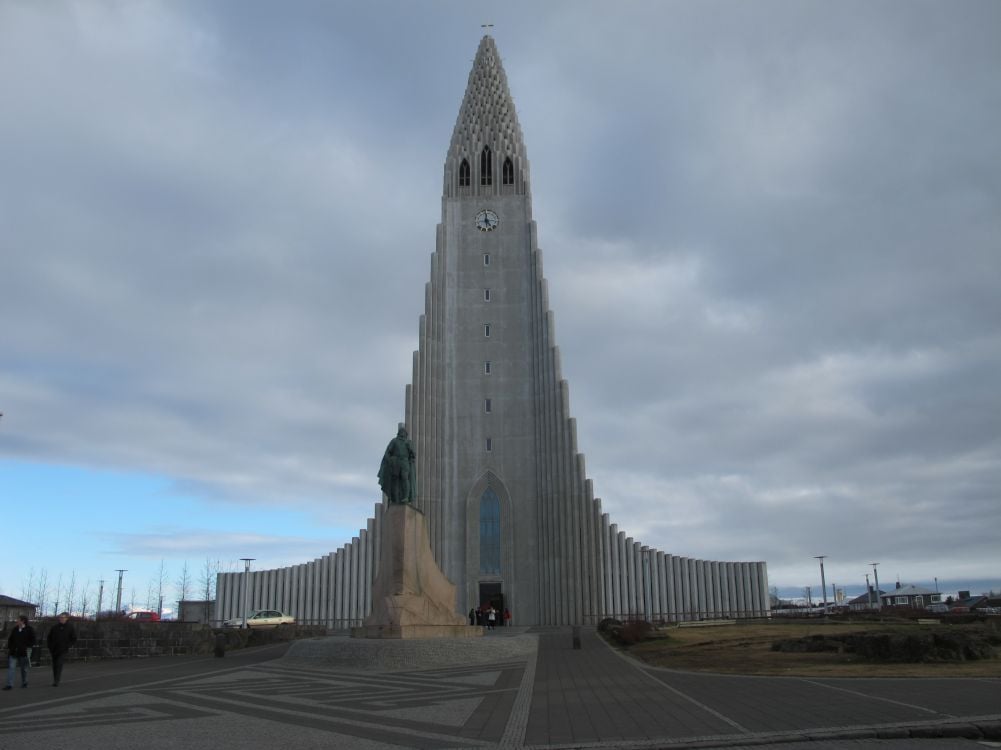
x: 464, y: 174
x: 486, y: 259
x: 486, y: 295
x: 486, y: 330
x: 486, y: 167
x: 490, y: 530
x: 486, y: 367
x: 490, y: 444
x: 486, y: 406
x: 508, y: 173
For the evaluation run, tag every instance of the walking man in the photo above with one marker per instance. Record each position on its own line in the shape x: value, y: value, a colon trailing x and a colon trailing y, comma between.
x: 19, y: 645
x: 60, y: 639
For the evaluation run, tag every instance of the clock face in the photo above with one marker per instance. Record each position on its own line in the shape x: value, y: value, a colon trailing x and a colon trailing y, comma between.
x: 486, y: 221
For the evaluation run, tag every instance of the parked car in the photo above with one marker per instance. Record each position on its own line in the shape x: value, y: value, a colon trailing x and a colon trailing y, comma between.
x: 143, y: 616
x: 939, y: 607
x: 263, y: 618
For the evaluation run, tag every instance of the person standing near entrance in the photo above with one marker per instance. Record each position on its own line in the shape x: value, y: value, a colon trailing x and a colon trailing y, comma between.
x: 60, y: 639
x: 19, y: 645
x: 507, y: 617
x: 491, y: 618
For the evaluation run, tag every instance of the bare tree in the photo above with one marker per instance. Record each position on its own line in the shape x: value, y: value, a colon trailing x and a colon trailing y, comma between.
x: 41, y: 595
x: 160, y: 583
x: 773, y: 596
x: 59, y: 588
x: 28, y: 586
x: 84, y: 598
x: 207, y: 579
x: 150, y: 593
x: 182, y: 586
x: 70, y: 594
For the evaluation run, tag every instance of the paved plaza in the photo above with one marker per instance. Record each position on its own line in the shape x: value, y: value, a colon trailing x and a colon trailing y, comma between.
x: 513, y: 688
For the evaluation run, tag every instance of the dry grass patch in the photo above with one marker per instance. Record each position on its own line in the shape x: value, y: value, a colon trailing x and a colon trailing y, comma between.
x: 747, y: 649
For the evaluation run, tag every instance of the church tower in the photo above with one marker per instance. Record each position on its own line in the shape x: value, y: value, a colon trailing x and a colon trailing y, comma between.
x: 510, y: 512
x: 503, y: 487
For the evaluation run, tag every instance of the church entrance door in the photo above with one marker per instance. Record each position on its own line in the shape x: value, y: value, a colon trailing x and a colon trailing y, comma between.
x: 491, y: 595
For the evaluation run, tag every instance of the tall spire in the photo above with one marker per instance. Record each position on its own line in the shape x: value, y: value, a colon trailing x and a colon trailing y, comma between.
x: 487, y: 118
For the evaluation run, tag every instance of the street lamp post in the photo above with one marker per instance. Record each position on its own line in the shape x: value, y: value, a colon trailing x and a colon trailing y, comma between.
x: 875, y: 573
x: 823, y: 583
x: 118, y: 599
x: 246, y: 585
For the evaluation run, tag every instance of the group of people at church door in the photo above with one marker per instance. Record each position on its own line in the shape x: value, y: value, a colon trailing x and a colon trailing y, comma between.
x: 489, y: 617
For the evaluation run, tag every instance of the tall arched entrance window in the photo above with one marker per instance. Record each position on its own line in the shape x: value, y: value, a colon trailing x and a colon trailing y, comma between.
x: 490, y: 562
x: 491, y: 589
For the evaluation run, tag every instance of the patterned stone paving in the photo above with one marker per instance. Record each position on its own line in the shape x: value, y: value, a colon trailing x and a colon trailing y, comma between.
x: 512, y: 690
x: 454, y: 707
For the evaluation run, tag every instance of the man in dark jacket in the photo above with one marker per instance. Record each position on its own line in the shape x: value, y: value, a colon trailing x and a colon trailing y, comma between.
x: 19, y: 645
x: 60, y: 639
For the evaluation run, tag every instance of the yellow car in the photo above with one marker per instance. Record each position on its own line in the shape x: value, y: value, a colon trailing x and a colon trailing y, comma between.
x: 262, y: 618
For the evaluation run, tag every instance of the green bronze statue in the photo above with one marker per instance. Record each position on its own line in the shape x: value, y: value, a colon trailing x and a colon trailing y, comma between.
x: 398, y: 472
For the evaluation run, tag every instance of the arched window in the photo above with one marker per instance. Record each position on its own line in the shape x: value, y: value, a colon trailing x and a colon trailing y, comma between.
x: 486, y: 167
x: 464, y: 174
x: 490, y: 533
x: 507, y: 177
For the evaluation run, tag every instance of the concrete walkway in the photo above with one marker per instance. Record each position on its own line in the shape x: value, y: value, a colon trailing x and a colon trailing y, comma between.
x: 596, y: 695
x: 513, y: 688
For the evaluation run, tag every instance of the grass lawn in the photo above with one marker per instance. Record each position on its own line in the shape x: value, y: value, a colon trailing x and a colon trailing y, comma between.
x: 746, y: 649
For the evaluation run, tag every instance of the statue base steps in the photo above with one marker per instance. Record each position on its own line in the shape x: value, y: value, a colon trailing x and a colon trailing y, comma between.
x: 418, y: 631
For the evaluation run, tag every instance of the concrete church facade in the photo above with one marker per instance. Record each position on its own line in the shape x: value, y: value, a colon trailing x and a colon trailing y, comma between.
x: 511, y: 513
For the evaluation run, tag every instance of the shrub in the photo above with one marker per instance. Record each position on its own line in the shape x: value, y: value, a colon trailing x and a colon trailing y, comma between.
x: 607, y: 624
x: 633, y: 632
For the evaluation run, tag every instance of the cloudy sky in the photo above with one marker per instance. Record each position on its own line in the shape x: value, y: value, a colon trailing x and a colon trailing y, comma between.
x: 772, y: 233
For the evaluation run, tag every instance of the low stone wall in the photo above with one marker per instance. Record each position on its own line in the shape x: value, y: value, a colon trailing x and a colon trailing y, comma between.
x: 116, y: 639
x: 240, y: 638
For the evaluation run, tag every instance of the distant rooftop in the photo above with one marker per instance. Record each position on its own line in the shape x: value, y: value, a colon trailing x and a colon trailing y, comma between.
x: 10, y: 601
x: 865, y: 597
x: 909, y: 591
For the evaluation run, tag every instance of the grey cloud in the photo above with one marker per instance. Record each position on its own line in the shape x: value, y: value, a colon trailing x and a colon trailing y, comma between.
x: 771, y: 235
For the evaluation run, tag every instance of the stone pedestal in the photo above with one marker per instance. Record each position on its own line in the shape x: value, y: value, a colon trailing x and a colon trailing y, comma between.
x: 411, y: 597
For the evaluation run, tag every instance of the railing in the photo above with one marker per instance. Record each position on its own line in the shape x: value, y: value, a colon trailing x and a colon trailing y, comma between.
x: 673, y: 618
x: 656, y: 618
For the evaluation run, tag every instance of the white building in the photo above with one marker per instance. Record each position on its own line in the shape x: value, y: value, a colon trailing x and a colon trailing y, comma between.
x: 511, y: 512
x: 909, y: 596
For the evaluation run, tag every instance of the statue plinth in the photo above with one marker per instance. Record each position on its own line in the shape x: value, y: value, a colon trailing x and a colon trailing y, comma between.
x: 411, y: 597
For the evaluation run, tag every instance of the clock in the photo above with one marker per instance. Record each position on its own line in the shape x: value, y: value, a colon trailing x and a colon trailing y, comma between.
x: 486, y: 221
